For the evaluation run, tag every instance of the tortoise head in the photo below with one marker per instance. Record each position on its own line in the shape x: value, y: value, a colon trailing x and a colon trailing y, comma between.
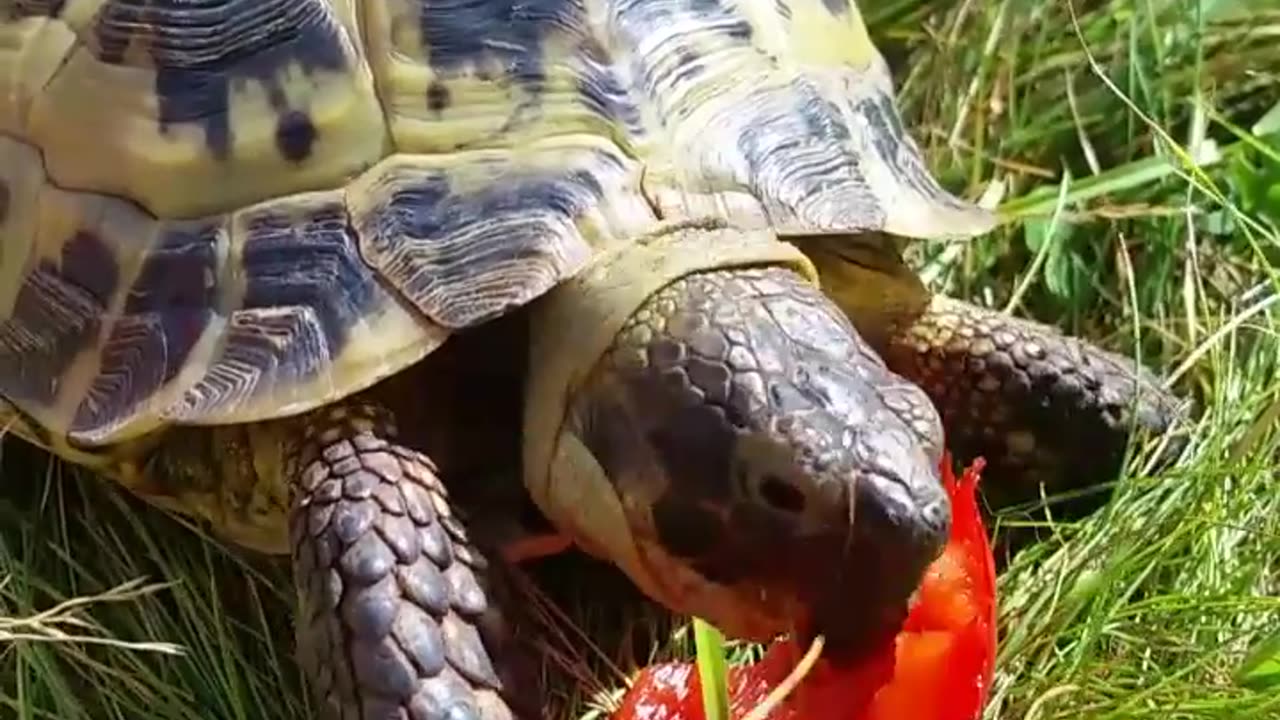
x: 745, y: 457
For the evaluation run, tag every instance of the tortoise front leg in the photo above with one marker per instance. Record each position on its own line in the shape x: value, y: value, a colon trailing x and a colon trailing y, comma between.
x: 395, y: 618
x: 1045, y: 409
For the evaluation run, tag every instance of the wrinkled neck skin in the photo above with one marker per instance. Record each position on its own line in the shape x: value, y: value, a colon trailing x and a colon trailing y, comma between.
x: 742, y: 454
x: 228, y: 476
x: 209, y: 473
x: 866, y: 276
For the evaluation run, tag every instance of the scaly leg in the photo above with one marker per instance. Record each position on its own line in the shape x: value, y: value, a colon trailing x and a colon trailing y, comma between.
x: 1043, y: 408
x: 395, y: 616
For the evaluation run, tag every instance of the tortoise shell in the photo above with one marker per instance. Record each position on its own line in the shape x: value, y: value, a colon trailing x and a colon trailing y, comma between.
x: 223, y: 211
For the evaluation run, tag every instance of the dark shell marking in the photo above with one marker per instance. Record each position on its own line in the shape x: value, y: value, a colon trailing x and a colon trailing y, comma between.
x: 50, y: 324
x: 209, y: 104
x: 461, y: 34
x: 18, y: 9
x: 695, y: 82
x: 295, y: 135
x: 201, y: 48
x: 437, y: 97
x: 125, y: 323
x: 112, y: 321
x: 839, y: 8
x: 528, y: 69
x: 466, y: 257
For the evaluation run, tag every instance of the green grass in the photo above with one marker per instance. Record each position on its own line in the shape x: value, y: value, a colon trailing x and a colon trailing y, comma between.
x: 1165, y: 604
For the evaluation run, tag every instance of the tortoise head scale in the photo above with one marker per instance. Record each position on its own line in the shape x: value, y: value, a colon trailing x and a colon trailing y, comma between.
x: 742, y: 454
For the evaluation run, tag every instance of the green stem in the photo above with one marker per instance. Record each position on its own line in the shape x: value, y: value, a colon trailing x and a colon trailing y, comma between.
x: 712, y: 670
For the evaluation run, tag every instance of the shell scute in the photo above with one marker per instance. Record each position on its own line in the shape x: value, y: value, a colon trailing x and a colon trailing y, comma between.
x: 239, y: 248
x: 198, y: 52
x: 33, y: 44
x: 69, y: 259
x: 791, y: 125
x: 310, y: 261
x: 51, y: 323
x: 470, y: 74
x: 471, y: 236
x: 301, y: 296
x: 117, y: 323
x: 158, y: 330
x: 273, y: 93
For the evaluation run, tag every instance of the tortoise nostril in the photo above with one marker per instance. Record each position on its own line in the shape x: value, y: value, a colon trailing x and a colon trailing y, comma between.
x: 781, y: 495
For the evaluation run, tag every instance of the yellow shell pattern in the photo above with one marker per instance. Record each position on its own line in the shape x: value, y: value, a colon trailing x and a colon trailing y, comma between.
x: 220, y: 211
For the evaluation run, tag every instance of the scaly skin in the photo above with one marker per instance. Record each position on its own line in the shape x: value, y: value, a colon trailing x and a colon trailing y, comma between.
x: 1046, y: 410
x: 773, y: 471
x: 394, y: 616
x: 1043, y: 408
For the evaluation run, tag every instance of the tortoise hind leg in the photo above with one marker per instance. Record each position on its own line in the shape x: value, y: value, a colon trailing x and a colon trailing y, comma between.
x: 394, y: 617
x: 1045, y: 409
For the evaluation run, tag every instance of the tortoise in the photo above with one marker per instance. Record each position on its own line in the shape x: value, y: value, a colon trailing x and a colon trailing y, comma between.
x: 659, y: 242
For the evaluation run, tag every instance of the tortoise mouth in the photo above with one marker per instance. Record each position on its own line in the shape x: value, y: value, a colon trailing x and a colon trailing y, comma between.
x: 865, y: 599
x: 850, y: 584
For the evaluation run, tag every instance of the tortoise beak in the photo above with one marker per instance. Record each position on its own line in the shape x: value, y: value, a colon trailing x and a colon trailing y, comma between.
x: 899, y: 526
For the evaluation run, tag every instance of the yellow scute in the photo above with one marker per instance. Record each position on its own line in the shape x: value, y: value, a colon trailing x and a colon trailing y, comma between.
x: 99, y: 126
x: 30, y: 51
